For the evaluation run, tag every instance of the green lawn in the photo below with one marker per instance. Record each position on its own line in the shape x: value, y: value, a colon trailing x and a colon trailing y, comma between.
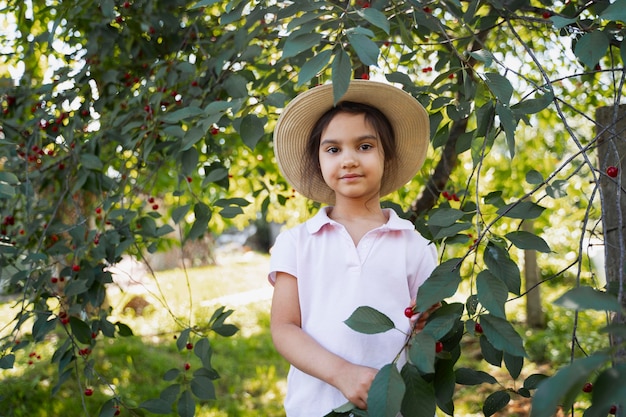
x: 252, y: 374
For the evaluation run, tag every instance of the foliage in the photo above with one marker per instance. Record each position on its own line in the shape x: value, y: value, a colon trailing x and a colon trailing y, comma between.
x: 128, y: 123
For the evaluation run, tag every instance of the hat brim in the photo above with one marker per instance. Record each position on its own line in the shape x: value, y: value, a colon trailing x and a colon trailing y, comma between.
x: 407, y: 116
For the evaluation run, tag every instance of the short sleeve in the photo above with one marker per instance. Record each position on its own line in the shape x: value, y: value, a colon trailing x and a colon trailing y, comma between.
x: 283, y: 255
x: 423, y: 264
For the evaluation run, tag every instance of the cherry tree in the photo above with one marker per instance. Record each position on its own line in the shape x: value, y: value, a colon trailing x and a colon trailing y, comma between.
x: 124, y: 121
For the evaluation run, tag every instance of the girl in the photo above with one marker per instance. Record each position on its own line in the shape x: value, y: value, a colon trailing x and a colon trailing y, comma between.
x: 352, y: 252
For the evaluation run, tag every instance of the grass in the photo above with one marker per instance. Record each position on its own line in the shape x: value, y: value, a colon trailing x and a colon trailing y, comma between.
x: 252, y: 374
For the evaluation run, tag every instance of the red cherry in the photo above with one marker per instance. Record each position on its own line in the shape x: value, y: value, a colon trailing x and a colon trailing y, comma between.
x: 151, y: 200
x: 409, y: 312
x: 75, y: 268
x: 478, y: 328
x: 126, y: 4
x: 98, y: 210
x: 588, y: 387
x: 365, y: 76
x: 187, y: 366
x: 189, y: 346
x: 189, y: 179
x: 612, y: 171
x: 155, y: 206
x: 88, y: 392
x: 547, y: 15
x: 438, y: 347
x: 613, y: 409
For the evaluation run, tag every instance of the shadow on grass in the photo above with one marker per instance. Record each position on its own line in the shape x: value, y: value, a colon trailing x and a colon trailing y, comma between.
x: 251, y: 383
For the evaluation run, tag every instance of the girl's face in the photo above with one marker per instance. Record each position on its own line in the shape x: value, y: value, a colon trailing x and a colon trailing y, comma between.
x: 351, y: 158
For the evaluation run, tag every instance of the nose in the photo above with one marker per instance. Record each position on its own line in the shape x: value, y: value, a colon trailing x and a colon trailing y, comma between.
x: 349, y: 159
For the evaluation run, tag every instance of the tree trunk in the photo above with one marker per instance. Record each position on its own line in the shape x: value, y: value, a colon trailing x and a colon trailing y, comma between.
x: 611, y: 130
x: 535, y: 318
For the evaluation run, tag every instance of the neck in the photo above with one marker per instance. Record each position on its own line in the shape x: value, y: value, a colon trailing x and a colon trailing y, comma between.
x: 345, y: 209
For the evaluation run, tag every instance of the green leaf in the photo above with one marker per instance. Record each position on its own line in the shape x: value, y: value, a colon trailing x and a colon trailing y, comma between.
x: 156, y: 406
x: 508, y: 123
x: 203, y: 388
x: 80, y: 330
x: 521, y: 210
x: 252, y: 129
x: 591, y: 47
x: 615, y: 11
x: 534, y: 177
x: 445, y: 385
x: 42, y: 326
x: 609, y: 388
x: 533, y: 105
x: 313, y: 66
x: 467, y: 376
x: 442, y: 283
x: 527, y: 240
x: 386, y: 392
x: 7, y: 361
x: 562, y: 388
x: 375, y: 17
x: 533, y: 381
x: 230, y: 212
x: 6, y: 191
x: 236, y: 87
x: 560, y: 22
x: 502, y: 335
x: 186, y: 405
x: 419, y: 398
x: 483, y: 56
x: 492, y: 293
x: 502, y: 267
x: 108, y: 409
x: 587, y: 298
x: 191, y: 137
x: 182, y: 114
x: 443, y: 320
x: 123, y: 330
x: 204, y: 3
x: 369, y: 321
x: 365, y: 48
x: 492, y: 355
x: 9, y: 178
x: 451, y: 230
x: 496, y: 402
x: 171, y: 374
x: 295, y: 44
x: 179, y: 212
x: 445, y: 216
x: 341, y: 74
x: 500, y: 87
x: 90, y: 161
x: 513, y: 364
x: 422, y: 352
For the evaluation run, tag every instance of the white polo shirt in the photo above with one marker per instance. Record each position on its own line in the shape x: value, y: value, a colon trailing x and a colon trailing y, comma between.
x: 334, y: 278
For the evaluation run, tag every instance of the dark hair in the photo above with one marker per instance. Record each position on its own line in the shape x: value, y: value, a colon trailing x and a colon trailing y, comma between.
x: 372, y: 115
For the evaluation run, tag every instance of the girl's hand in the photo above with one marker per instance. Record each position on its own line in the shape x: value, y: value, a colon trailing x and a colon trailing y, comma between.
x: 418, y: 320
x: 354, y: 382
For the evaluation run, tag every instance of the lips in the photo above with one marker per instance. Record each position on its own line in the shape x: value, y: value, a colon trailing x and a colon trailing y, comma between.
x: 350, y: 176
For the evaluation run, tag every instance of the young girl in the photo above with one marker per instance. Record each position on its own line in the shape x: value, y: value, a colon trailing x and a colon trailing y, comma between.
x: 352, y: 252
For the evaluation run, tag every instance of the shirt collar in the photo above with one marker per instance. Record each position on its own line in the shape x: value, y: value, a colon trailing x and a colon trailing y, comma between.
x: 321, y: 219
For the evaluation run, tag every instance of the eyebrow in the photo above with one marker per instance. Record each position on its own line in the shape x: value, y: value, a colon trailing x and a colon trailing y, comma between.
x: 358, y: 139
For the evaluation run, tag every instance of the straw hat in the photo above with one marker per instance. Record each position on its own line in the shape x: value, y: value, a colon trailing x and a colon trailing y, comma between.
x: 406, y: 115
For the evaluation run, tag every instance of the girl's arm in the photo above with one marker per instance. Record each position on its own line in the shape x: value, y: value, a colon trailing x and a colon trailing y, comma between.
x: 303, y: 352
